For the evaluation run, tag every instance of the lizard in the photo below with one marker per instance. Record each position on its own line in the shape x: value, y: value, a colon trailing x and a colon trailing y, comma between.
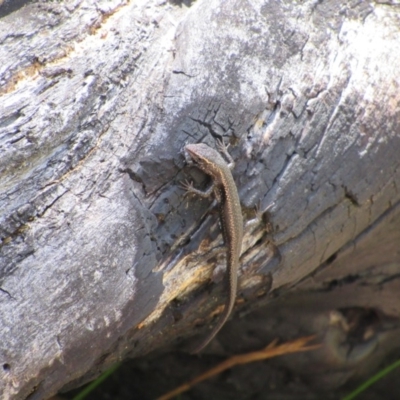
x: 225, y: 190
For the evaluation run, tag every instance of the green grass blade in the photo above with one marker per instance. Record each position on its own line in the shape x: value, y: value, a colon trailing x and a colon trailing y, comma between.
x: 372, y: 380
x: 88, y: 389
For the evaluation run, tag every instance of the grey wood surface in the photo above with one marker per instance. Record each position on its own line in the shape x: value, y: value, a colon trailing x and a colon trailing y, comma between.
x: 103, y: 258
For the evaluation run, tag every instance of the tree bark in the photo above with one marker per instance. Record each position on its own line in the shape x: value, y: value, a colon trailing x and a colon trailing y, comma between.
x: 102, y: 256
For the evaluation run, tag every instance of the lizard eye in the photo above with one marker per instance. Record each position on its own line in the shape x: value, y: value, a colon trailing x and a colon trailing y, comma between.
x: 197, y: 160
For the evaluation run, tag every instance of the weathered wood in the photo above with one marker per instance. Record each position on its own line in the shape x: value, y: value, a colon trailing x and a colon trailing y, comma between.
x: 102, y: 256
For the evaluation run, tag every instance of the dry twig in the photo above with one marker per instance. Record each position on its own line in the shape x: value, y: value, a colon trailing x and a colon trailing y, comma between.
x: 272, y: 350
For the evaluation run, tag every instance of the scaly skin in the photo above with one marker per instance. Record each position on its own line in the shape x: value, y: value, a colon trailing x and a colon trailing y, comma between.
x: 225, y: 190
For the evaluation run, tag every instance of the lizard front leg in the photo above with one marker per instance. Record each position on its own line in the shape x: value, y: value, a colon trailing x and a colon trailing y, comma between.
x: 223, y: 149
x: 189, y: 188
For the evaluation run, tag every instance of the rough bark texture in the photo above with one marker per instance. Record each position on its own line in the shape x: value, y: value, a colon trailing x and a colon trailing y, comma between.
x: 102, y: 257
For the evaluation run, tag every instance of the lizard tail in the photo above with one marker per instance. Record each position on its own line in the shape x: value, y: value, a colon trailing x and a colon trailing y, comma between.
x: 224, y: 317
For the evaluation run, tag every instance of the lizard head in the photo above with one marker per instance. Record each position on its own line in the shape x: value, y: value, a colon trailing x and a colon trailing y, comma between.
x: 205, y: 158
